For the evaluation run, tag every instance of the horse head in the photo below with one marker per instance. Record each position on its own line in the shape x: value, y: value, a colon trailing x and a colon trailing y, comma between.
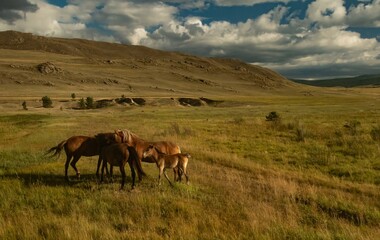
x: 148, y: 151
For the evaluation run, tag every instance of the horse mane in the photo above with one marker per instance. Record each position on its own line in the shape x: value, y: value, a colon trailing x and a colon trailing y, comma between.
x: 128, y: 135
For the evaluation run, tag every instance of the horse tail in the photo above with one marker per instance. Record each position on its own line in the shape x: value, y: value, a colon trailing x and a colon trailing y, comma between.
x: 57, y: 149
x: 136, y: 162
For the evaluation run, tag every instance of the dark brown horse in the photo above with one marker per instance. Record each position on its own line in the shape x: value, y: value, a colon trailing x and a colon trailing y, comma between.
x: 141, y: 145
x: 118, y: 155
x: 77, y: 146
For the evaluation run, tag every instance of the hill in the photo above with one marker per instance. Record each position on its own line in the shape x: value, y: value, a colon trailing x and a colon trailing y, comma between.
x: 359, y: 81
x: 83, y: 66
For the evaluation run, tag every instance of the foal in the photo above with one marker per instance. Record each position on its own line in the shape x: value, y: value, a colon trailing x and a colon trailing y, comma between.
x: 165, y: 161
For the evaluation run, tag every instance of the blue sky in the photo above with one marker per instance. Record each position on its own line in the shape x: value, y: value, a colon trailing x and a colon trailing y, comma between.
x: 310, y: 39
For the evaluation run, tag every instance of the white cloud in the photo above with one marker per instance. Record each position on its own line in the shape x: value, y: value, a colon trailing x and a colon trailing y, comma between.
x: 365, y: 15
x: 326, y: 12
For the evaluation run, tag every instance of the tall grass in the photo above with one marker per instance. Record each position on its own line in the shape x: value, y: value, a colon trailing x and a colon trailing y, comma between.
x: 306, y: 177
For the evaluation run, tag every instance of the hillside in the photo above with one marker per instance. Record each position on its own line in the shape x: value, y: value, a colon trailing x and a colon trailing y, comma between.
x: 359, y: 81
x: 63, y: 66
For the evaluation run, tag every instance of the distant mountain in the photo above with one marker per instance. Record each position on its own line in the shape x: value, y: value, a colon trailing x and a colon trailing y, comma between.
x: 359, y: 81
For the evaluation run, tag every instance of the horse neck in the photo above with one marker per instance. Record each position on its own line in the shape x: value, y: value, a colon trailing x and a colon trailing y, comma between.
x: 135, y: 140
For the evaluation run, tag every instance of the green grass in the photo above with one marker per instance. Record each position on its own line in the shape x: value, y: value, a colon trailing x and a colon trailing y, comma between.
x: 305, y: 177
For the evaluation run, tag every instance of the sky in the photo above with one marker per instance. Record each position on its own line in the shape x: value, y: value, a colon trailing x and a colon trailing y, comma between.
x: 309, y: 39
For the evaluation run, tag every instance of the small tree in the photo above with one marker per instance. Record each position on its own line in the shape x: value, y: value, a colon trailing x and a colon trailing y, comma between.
x: 73, y: 96
x: 46, y: 102
x: 90, y: 102
x: 24, y: 105
x: 82, y: 104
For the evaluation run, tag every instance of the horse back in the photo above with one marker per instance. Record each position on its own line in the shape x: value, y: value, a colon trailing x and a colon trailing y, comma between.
x: 82, y: 145
x: 167, y: 147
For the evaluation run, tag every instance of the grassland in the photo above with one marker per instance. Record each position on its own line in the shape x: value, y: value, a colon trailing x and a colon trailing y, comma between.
x: 315, y: 174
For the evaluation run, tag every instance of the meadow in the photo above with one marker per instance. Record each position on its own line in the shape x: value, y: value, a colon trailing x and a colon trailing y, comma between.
x: 314, y: 173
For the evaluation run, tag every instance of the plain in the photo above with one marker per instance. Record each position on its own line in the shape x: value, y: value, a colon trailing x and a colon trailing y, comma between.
x: 314, y: 174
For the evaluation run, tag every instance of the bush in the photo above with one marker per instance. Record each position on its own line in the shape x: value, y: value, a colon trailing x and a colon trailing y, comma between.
x: 46, y: 102
x: 73, y: 96
x: 273, y: 116
x: 90, y: 102
x: 24, y: 105
x: 82, y: 104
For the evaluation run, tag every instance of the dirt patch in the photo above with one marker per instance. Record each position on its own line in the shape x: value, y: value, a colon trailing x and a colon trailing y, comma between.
x: 194, y: 102
x: 130, y: 101
x: 211, y: 102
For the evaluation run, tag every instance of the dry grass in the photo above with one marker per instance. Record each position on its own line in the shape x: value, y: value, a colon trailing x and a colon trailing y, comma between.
x: 248, y: 178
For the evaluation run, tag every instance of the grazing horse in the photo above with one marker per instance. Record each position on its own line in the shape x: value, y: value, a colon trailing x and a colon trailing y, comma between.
x: 164, y: 161
x: 140, y: 145
x: 77, y: 146
x: 118, y: 155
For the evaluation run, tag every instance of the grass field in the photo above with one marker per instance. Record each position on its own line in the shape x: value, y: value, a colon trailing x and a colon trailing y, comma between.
x: 314, y: 174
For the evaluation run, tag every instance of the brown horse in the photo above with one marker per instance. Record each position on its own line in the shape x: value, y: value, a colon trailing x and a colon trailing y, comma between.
x: 165, y: 161
x: 77, y: 146
x: 118, y: 155
x: 141, y: 145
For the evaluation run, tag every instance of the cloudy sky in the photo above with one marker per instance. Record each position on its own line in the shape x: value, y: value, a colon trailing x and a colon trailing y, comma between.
x: 300, y: 39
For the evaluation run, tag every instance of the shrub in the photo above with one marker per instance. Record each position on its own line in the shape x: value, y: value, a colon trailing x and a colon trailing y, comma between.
x: 90, y: 102
x: 273, y: 116
x: 82, y: 104
x: 24, y: 105
x: 73, y: 96
x: 46, y: 102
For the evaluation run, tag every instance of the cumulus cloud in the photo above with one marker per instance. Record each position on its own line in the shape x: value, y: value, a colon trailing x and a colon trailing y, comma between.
x: 13, y: 10
x: 327, y: 13
x: 367, y: 15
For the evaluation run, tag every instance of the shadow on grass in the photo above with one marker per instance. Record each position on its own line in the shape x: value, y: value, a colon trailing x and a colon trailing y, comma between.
x: 32, y: 179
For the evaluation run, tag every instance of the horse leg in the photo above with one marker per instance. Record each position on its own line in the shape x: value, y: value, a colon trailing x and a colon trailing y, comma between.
x: 68, y: 158
x: 161, y: 170
x: 103, y: 166
x: 75, y: 160
x: 175, y: 173
x: 167, y: 178
x: 180, y: 172
x: 110, y: 173
x: 133, y: 173
x: 187, y: 177
x: 122, y: 170
x: 98, y: 167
